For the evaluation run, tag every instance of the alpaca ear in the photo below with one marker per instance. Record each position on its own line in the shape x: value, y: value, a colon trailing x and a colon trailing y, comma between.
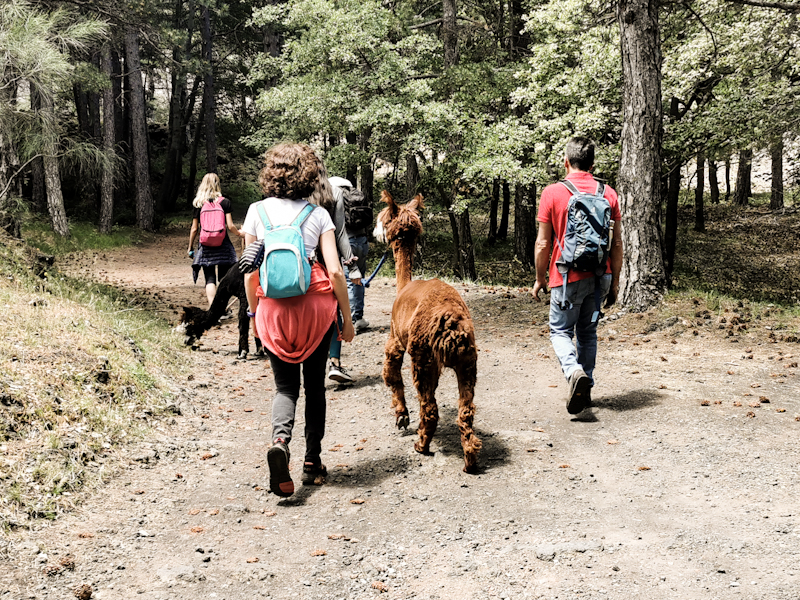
x: 416, y: 203
x: 392, y: 207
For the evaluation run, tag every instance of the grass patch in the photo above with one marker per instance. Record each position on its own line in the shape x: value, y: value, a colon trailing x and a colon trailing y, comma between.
x: 83, y: 372
x: 83, y: 236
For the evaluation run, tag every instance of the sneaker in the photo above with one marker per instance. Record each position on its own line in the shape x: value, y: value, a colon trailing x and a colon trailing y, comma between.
x: 280, y: 480
x: 227, y: 316
x: 580, y: 387
x: 361, y: 325
x: 314, y: 474
x: 339, y: 373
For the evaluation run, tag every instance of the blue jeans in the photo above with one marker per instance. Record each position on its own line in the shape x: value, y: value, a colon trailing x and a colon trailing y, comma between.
x: 577, y: 321
x: 355, y: 293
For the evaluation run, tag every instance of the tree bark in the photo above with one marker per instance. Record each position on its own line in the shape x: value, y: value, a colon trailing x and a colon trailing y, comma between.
x: 776, y: 188
x: 673, y: 197
x: 94, y: 105
x: 190, y: 189
x: 727, y: 178
x: 450, y: 33
x: 52, y: 177
x: 643, y: 278
x: 82, y: 109
x: 208, y: 94
x: 493, y: 205
x: 367, y: 176
x: 525, y: 224
x: 38, y: 191
x: 351, y: 173
x: 699, y: 213
x: 412, y: 175
x: 741, y: 192
x: 109, y: 139
x: 502, y: 229
x: 713, y: 181
x: 141, y: 163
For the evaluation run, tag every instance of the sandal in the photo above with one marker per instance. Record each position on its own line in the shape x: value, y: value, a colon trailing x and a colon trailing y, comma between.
x: 314, y: 474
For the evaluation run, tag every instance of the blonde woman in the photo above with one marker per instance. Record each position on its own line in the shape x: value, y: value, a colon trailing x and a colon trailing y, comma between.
x: 211, y: 222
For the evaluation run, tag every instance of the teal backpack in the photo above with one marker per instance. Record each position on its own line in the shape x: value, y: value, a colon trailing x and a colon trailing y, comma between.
x: 286, y: 270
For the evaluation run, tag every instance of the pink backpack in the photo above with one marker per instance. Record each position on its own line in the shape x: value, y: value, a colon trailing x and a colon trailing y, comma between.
x: 212, y: 223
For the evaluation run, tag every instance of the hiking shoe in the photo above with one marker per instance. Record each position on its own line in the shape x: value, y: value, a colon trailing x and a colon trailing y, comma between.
x: 280, y: 480
x: 339, y: 373
x: 314, y: 474
x: 579, y: 389
x: 361, y: 325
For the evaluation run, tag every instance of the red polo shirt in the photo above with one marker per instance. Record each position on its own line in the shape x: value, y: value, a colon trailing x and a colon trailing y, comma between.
x: 553, y: 210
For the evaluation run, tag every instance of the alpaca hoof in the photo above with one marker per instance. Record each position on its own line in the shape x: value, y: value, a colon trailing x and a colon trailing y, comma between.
x: 243, y: 355
x: 422, y: 449
x: 402, y: 421
x: 471, y: 468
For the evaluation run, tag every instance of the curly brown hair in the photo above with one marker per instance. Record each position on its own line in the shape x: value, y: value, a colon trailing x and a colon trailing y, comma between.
x: 290, y: 171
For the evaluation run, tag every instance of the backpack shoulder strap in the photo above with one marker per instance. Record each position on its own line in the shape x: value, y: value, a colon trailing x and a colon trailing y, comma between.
x: 601, y: 190
x: 262, y: 213
x: 304, y: 213
x: 570, y: 186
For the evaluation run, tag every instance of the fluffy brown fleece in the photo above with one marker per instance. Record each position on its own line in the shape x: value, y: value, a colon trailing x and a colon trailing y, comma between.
x: 431, y: 322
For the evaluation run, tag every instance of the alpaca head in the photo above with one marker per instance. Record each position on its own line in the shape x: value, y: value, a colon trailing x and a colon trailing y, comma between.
x: 191, y: 324
x: 399, y: 225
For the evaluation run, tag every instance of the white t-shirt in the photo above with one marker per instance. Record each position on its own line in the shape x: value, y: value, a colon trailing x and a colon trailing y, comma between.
x: 282, y: 212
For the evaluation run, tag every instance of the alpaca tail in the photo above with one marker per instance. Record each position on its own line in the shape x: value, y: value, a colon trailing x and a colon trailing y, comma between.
x: 455, y: 338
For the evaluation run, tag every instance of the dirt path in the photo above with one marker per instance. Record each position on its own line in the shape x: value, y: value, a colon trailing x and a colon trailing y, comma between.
x: 652, y: 496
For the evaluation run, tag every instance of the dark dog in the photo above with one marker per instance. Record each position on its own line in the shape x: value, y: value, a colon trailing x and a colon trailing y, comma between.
x: 196, y: 321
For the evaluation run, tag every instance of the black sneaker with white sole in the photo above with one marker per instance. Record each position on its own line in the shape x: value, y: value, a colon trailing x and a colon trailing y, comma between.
x: 339, y: 373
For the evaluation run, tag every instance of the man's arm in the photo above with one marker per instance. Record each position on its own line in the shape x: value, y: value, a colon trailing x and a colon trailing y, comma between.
x: 615, y: 260
x: 541, y: 257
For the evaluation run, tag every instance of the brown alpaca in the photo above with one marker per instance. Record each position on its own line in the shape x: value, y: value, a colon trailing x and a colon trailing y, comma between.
x: 431, y: 322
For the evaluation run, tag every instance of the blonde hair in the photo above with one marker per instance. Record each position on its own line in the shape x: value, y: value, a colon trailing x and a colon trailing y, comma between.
x: 209, y: 189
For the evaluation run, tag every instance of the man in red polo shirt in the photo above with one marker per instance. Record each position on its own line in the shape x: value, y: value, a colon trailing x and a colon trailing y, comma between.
x: 578, y: 359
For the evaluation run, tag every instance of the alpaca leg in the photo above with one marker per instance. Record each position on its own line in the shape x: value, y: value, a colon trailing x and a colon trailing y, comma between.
x: 393, y: 377
x: 466, y: 374
x: 426, y: 378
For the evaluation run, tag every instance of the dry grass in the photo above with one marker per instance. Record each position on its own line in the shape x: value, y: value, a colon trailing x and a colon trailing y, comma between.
x: 81, y: 374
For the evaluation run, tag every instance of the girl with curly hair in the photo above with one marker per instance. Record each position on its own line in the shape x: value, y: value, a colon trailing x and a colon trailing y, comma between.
x: 296, y: 332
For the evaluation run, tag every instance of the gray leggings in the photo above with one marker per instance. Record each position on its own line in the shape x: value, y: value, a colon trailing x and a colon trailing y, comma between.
x: 287, y: 384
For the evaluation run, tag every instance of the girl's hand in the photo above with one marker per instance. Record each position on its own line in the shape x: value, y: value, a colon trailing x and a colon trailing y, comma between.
x: 348, y: 333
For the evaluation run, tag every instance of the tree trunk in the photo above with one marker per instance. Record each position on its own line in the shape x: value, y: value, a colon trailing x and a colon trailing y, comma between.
x: 525, y: 224
x: 776, y: 191
x: 466, y: 248
x: 727, y: 178
x: 673, y: 197
x: 190, y: 190
x: 94, y: 105
x: 493, y: 205
x: 82, y: 109
x: 643, y: 278
x: 109, y: 138
x: 412, y: 175
x: 38, y: 191
x: 52, y: 177
x: 502, y: 229
x: 352, y: 168
x: 699, y: 213
x: 208, y: 94
x: 741, y: 192
x: 713, y: 182
x: 141, y: 166
x: 367, y: 176
x: 450, y: 33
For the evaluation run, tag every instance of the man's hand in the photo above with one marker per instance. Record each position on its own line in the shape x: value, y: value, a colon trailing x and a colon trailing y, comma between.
x: 611, y: 298
x: 536, y: 287
x: 356, y: 281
